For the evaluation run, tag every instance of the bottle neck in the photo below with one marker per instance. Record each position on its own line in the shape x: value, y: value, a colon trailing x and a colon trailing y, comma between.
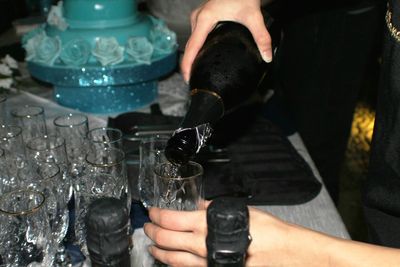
x: 206, y: 106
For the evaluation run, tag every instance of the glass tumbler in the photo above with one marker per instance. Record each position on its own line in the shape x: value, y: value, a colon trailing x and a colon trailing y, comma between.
x: 179, y: 187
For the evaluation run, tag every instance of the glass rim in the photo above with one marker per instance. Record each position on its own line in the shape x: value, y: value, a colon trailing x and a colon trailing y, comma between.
x: 51, y: 177
x: 24, y: 212
x: 69, y: 115
x: 193, y: 163
x: 88, y: 134
x: 19, y: 131
x: 117, y: 162
x: 154, y: 138
x: 29, y: 145
x: 144, y: 143
x: 15, y: 112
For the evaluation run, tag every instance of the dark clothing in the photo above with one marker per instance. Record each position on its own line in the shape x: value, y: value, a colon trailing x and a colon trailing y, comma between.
x: 382, y: 192
x: 322, y: 61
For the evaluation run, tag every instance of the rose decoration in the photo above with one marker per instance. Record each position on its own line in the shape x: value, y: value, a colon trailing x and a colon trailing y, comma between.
x: 163, y: 39
x: 139, y: 49
x: 33, y: 33
x: 108, y: 51
x: 48, y: 50
x: 31, y: 41
x: 75, y: 52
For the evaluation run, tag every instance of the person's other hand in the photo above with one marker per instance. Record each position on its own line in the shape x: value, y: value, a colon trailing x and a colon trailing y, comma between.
x: 206, y: 16
x: 180, y: 237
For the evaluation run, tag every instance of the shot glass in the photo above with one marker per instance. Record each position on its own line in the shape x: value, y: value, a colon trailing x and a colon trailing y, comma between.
x: 179, y: 187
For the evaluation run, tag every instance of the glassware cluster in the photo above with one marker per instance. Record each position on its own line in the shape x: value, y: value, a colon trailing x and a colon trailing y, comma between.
x: 52, y: 169
x: 49, y: 174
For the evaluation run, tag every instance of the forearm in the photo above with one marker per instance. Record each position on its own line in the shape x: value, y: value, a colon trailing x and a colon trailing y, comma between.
x: 317, y: 249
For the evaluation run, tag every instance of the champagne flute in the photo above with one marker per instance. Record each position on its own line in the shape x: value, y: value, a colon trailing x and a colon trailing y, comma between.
x: 151, y: 153
x: 104, y: 176
x: 31, y: 119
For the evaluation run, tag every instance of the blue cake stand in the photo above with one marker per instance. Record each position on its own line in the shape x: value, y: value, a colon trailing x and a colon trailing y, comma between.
x: 92, y: 30
x: 109, y: 89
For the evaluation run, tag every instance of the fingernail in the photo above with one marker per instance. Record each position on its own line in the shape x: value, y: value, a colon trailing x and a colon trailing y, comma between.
x: 265, y: 57
x: 185, y: 80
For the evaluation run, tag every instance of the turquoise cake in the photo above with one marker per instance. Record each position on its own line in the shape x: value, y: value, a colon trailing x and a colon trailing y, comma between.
x: 101, y: 56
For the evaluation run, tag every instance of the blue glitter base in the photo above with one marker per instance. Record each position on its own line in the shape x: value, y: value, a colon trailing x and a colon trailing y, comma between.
x: 107, y: 99
x: 111, y: 89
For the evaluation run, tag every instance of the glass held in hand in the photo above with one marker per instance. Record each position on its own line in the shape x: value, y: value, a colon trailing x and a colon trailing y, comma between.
x: 179, y: 187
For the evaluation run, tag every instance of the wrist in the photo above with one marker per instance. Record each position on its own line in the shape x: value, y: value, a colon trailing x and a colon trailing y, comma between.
x: 308, y: 248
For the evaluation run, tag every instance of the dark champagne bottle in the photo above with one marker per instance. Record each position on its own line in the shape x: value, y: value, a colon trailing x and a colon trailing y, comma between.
x: 107, y: 238
x: 228, y: 236
x: 225, y: 73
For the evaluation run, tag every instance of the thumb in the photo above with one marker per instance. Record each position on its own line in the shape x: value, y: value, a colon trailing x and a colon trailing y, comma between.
x: 261, y: 36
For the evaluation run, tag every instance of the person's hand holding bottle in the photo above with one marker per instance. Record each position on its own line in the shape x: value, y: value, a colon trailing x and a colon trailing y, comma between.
x: 206, y: 16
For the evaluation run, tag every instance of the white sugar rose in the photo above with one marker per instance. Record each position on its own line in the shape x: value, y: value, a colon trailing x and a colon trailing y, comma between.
x: 31, y: 42
x: 139, y: 50
x: 108, y: 51
x: 48, y: 50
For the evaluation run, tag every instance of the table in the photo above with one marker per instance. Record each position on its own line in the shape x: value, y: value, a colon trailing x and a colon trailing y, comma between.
x: 319, y: 214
